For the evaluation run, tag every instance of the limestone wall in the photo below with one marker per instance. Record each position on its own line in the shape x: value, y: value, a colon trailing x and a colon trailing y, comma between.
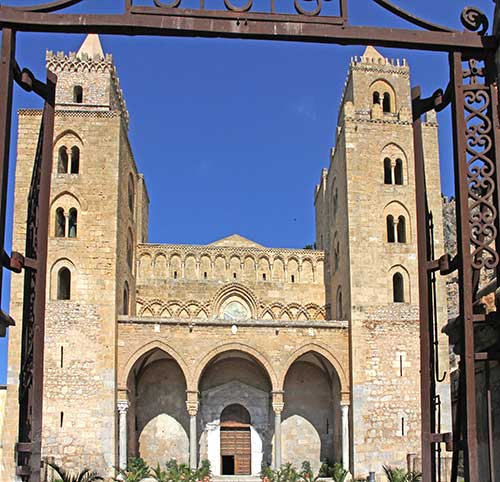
x: 188, y: 281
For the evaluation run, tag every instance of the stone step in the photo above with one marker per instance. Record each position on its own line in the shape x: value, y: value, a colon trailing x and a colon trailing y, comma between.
x: 235, y: 478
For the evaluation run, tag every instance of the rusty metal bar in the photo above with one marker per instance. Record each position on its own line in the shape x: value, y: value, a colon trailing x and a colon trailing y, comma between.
x: 426, y: 370
x: 7, y: 62
x: 32, y: 351
x: 465, y: 271
x: 242, y: 25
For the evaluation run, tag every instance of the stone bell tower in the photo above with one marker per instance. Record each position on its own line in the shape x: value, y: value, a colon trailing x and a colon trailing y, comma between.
x: 98, y: 214
x: 366, y: 223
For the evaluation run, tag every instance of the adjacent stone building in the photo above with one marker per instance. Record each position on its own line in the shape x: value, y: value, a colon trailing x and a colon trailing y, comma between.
x: 233, y: 352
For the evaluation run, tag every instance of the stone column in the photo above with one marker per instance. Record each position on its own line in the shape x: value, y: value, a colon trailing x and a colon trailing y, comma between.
x: 122, y: 406
x: 278, y: 405
x: 393, y: 171
x: 345, y: 435
x: 192, y: 405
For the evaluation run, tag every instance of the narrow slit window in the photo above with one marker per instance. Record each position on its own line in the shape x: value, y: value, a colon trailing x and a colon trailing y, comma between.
x: 62, y: 357
x: 386, y: 102
x: 293, y: 278
x: 126, y: 299
x: 175, y: 274
x: 398, y: 172
x: 390, y: 229
x: 64, y: 284
x: 60, y: 231
x: 72, y: 223
x: 75, y: 160
x: 131, y: 193
x: 387, y: 171
x: 403, y: 426
x: 263, y: 276
x: 62, y: 160
x: 401, y: 229
x: 205, y: 275
x: 78, y: 94
x: 61, y: 419
x: 234, y: 275
x: 400, y: 365
x: 398, y: 288
x: 130, y: 253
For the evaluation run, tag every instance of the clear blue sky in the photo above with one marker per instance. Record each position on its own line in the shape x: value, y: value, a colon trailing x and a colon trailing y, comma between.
x: 232, y: 135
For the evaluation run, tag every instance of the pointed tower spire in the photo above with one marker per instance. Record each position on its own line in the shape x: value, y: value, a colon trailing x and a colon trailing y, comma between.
x: 372, y: 55
x: 91, y: 47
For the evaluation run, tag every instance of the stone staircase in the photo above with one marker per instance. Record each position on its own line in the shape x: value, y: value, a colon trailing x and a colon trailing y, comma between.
x: 235, y: 478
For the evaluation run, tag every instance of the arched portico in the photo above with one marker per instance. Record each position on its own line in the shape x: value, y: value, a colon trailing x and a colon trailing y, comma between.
x: 157, y: 420
x: 227, y: 378
x: 314, y: 396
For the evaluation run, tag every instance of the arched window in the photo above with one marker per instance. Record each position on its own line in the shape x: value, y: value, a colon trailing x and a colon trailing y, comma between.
x: 376, y: 98
x: 398, y: 289
x: 340, y: 313
x: 401, y: 229
x: 72, y: 223
x: 390, y: 229
x: 62, y: 162
x: 387, y: 171
x: 64, y: 284
x: 386, y: 102
x: 131, y: 193
x: 60, y: 223
x: 75, y: 160
x: 398, y: 172
x: 130, y: 253
x: 126, y: 301
x: 335, y: 202
x: 336, y: 253
x: 78, y: 94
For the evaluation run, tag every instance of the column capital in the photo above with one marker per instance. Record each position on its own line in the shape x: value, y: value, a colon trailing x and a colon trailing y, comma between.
x: 278, y: 401
x: 122, y: 406
x: 192, y: 407
x: 345, y: 399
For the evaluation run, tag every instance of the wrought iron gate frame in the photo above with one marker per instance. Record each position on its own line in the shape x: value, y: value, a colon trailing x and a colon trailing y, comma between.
x: 472, y: 94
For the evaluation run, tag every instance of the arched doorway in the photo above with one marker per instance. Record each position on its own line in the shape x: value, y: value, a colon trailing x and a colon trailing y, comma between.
x: 235, y: 419
x: 312, y: 414
x: 157, y: 418
x: 235, y: 441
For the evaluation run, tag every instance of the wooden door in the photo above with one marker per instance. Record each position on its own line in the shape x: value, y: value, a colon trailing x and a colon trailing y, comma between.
x: 236, y: 442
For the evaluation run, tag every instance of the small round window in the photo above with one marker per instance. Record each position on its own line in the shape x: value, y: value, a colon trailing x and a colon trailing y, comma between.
x: 235, y: 310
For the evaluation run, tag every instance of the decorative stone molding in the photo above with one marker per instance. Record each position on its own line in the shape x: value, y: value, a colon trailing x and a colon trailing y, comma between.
x: 202, y: 310
x: 122, y: 406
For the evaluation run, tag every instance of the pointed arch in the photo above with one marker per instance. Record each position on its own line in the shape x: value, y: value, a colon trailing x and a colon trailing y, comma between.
x: 236, y: 347
x: 322, y: 350
x: 158, y: 345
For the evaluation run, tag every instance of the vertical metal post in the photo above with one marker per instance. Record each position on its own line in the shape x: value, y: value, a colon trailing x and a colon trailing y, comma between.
x: 466, y: 294
x: 7, y: 63
x: 43, y: 233
x: 427, y: 388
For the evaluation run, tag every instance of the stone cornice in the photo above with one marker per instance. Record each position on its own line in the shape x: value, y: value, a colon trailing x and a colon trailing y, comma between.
x: 226, y: 250
x: 331, y: 324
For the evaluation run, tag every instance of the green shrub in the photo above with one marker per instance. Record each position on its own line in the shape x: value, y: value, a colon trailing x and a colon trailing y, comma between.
x: 136, y: 470
x: 86, y: 475
x: 397, y: 474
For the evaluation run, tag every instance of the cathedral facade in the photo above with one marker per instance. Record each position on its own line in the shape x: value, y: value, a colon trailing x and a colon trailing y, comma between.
x: 230, y: 352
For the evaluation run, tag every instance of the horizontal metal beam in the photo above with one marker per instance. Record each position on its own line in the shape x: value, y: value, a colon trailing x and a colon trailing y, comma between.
x: 242, y: 26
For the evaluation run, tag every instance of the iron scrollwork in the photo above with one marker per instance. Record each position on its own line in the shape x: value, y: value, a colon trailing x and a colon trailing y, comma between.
x: 480, y: 166
x: 474, y: 20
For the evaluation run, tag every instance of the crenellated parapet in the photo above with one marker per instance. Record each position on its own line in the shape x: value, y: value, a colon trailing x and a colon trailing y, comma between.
x: 79, y: 69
